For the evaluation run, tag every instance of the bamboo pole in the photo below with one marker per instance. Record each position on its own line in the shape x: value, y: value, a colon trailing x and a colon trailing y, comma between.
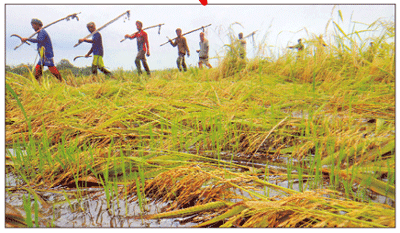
x: 158, y: 25
x: 71, y: 16
x: 105, y: 25
x: 202, y: 27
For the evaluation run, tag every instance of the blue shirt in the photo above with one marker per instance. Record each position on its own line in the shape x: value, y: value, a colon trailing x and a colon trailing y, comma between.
x: 43, y: 39
x: 97, y: 44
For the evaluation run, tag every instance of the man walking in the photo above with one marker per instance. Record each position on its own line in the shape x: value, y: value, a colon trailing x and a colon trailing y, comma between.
x: 203, y: 52
x: 97, y: 50
x: 143, y: 47
x: 242, y: 46
x: 45, y: 49
x: 299, y: 47
x: 182, y: 49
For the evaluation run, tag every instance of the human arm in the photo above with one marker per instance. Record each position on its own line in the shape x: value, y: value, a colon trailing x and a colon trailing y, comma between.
x: 33, y: 40
x: 40, y: 37
x: 86, y: 40
x: 172, y: 43
x: 133, y: 36
x: 90, y: 52
x: 186, y: 47
x: 146, y: 44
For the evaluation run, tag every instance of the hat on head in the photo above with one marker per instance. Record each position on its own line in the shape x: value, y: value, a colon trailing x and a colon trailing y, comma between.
x: 36, y: 21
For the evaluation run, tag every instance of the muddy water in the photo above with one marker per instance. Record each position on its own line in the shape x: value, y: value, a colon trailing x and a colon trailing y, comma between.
x: 92, y: 210
x: 89, y: 211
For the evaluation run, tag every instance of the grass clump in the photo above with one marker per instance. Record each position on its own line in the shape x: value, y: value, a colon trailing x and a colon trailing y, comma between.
x: 211, y: 142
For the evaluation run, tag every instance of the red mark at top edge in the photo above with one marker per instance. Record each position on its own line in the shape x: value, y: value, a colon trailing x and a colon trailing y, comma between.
x: 203, y: 2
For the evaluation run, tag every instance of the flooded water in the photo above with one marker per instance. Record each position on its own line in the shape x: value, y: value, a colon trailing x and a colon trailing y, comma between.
x: 93, y: 209
x: 90, y: 211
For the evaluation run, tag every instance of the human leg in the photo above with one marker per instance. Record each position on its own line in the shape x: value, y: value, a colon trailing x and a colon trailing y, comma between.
x: 55, y: 72
x: 139, y: 57
x: 38, y: 72
x: 94, y: 69
x: 178, y: 63
x: 146, y: 66
x: 98, y: 61
x: 184, y: 63
x: 105, y: 71
x: 94, y: 64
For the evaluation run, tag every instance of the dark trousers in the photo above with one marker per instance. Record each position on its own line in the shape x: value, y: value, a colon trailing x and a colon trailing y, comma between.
x: 141, y: 57
x: 181, y: 62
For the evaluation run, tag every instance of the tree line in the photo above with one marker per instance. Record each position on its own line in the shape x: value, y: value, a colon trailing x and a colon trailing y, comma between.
x: 64, y: 65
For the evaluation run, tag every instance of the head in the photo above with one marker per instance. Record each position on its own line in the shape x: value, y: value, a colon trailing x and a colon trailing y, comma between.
x: 91, y: 27
x: 299, y: 40
x: 36, y: 24
x: 202, y: 36
x: 139, y: 25
x: 240, y: 35
x: 178, y: 32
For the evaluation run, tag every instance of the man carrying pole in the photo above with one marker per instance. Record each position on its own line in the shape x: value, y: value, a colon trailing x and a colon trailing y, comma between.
x: 159, y: 30
x: 97, y: 50
x: 203, y: 51
x: 143, y: 47
x: 182, y: 49
x: 45, y: 49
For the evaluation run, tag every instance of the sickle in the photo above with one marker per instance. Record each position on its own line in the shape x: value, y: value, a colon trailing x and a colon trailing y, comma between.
x: 19, y: 38
x: 79, y: 57
x: 68, y: 17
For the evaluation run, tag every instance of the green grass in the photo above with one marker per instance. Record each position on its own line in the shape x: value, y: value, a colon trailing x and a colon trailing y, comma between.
x: 331, y: 114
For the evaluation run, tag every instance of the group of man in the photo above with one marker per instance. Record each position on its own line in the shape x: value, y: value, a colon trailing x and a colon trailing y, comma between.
x: 45, y: 48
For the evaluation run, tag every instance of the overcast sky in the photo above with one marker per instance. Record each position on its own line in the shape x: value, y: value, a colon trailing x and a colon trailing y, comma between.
x: 278, y: 26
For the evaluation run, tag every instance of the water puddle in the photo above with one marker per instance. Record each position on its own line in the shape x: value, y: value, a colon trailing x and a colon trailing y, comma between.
x: 95, y: 209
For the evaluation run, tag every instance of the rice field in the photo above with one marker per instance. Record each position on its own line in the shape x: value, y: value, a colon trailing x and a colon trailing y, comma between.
x: 292, y: 141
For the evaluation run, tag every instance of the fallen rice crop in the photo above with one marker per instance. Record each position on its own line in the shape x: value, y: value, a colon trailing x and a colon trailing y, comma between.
x: 211, y: 142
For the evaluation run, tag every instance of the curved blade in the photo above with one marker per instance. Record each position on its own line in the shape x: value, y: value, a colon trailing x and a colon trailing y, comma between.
x: 19, y: 38
x: 80, y: 56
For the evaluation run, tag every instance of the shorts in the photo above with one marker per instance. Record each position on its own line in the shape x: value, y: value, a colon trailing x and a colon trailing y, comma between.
x: 203, y: 60
x: 141, y: 55
x: 48, y: 61
x: 98, y: 61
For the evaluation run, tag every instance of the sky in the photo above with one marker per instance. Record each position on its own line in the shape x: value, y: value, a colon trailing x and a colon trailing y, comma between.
x: 278, y: 27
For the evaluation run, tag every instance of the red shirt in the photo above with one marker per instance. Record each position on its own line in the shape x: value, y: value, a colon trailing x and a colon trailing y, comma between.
x: 142, y: 41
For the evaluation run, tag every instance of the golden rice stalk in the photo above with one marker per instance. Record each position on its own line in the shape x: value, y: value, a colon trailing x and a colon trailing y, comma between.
x: 191, y: 210
x: 308, y: 209
x: 235, y: 210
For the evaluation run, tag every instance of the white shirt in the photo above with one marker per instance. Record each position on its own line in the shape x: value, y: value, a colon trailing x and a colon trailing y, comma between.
x: 203, y: 48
